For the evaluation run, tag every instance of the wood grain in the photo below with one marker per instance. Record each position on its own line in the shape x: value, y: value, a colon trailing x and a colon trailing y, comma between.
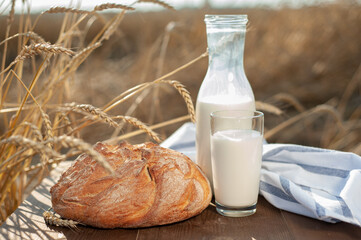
x: 211, y: 225
x: 268, y: 223
x: 308, y: 228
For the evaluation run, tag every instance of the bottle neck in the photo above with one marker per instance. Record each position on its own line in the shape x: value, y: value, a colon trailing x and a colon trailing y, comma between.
x: 226, y: 48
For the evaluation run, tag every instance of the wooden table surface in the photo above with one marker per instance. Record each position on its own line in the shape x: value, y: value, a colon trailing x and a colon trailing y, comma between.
x: 268, y: 223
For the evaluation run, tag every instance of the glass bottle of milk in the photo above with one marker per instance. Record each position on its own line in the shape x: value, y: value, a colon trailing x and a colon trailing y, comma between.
x: 225, y: 86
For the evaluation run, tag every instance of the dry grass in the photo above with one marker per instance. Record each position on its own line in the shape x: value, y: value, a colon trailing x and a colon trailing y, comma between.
x: 136, y: 76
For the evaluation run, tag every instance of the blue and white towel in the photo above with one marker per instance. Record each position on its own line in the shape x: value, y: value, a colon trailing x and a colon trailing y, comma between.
x: 318, y: 183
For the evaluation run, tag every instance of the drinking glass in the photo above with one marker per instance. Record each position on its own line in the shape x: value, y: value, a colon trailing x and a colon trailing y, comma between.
x: 236, y: 155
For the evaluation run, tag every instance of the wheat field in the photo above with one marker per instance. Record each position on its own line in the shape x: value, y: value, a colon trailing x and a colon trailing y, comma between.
x: 90, y: 76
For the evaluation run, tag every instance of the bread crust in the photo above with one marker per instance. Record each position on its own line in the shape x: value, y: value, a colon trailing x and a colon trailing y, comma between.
x: 152, y: 186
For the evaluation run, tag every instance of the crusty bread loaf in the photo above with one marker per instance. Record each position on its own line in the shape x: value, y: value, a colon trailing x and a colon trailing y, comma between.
x: 152, y: 186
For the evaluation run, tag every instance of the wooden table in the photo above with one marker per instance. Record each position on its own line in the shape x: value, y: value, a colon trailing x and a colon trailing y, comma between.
x: 268, y: 223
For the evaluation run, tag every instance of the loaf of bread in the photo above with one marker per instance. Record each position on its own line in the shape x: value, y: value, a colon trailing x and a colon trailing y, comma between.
x: 151, y: 186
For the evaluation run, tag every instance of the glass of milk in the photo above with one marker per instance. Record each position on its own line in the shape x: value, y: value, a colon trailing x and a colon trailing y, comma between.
x: 236, y: 156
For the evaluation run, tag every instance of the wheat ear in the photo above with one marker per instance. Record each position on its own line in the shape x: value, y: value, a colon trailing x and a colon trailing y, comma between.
x: 35, y: 130
x: 35, y: 49
x: 161, y: 3
x: 47, y: 124
x: 112, y: 6
x: 48, y: 131
x: 65, y: 10
x: 38, y: 48
x: 71, y: 142
x: 27, y: 143
x: 140, y: 125
x: 185, y: 94
x: 53, y: 219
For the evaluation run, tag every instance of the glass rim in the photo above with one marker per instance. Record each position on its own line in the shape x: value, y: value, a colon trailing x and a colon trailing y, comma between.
x: 232, y: 19
x: 238, y: 114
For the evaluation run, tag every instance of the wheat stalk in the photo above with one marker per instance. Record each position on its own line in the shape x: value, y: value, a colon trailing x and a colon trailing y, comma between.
x: 180, y: 87
x: 318, y: 109
x: 35, y: 130
x: 130, y: 92
x: 34, y: 36
x: 41, y: 165
x: 9, y: 163
x: 351, y: 86
x: 290, y: 100
x: 65, y: 141
x: 53, y: 219
x: 343, y: 141
x: 74, y: 63
x: 83, y: 53
x: 155, y: 126
x: 113, y: 27
x: 10, y: 18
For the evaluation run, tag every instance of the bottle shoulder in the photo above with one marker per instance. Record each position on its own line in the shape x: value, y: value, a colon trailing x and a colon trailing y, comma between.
x: 225, y: 84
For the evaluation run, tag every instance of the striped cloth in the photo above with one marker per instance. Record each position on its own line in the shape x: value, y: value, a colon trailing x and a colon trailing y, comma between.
x: 318, y: 183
